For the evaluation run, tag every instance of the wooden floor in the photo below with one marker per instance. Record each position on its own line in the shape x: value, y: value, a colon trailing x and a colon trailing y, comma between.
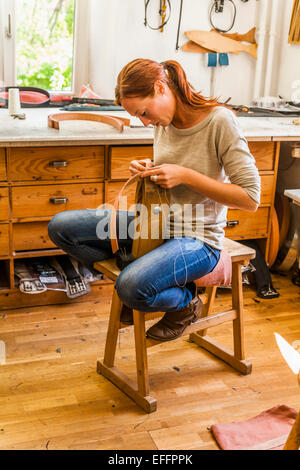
x: 52, y: 398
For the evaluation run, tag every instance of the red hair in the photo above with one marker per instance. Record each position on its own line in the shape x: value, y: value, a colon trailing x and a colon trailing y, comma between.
x: 138, y: 77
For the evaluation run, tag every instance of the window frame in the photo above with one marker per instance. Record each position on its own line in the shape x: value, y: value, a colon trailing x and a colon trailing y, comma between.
x: 80, y: 48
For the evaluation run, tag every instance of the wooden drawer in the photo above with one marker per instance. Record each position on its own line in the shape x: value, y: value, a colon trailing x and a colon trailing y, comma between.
x: 120, y: 158
x: 4, y: 204
x: 264, y: 153
x: 244, y: 225
x: 113, y: 190
x: 31, y: 236
x: 55, y: 163
x: 4, y: 240
x: 2, y: 165
x: 267, y: 184
x: 48, y: 200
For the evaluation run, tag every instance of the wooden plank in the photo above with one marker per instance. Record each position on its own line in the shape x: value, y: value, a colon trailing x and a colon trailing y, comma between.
x: 148, y: 403
x: 201, y: 324
x: 222, y: 352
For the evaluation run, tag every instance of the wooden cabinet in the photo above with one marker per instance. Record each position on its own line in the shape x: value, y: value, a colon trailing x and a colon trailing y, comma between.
x: 38, y: 182
x: 241, y: 225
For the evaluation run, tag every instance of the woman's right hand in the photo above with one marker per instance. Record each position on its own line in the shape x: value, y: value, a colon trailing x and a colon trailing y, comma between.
x: 137, y: 166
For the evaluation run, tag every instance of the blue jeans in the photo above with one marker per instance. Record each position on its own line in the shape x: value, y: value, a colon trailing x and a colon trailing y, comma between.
x: 161, y: 280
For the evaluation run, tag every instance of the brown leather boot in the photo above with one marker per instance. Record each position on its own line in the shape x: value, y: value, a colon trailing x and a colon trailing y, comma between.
x: 126, y: 315
x: 173, y: 324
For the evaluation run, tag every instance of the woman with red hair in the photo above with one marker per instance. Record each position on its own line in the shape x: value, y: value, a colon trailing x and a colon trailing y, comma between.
x: 203, y: 161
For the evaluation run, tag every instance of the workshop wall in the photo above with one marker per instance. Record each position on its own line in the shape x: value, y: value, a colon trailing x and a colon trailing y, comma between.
x: 118, y: 35
x: 288, y: 56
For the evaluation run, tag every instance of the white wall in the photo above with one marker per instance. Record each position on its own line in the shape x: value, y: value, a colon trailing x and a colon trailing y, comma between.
x: 289, y: 63
x: 118, y: 35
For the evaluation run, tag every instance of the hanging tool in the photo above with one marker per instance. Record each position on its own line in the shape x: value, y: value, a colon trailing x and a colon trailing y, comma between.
x: 179, y: 23
x: 162, y: 12
x: 218, y: 5
x: 212, y: 62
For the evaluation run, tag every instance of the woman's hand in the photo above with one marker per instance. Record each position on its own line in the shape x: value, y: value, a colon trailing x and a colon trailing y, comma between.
x: 137, y: 166
x: 167, y: 175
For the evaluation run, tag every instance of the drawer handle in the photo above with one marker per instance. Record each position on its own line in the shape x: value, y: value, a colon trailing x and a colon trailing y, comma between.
x: 89, y: 191
x: 232, y: 223
x: 58, y: 163
x: 58, y: 200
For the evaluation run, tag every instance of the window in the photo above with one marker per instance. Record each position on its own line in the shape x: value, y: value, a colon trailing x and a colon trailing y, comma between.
x: 42, y: 43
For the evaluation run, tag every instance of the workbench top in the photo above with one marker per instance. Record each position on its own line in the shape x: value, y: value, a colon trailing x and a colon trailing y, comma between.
x: 34, y: 130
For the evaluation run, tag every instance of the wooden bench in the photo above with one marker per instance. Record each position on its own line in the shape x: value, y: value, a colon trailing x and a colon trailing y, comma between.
x: 139, y: 392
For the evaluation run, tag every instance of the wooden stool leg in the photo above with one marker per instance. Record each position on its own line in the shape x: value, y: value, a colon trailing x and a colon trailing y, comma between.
x: 208, y: 307
x: 234, y: 358
x: 237, y: 304
x: 113, y: 330
x: 141, y: 352
x: 138, y: 392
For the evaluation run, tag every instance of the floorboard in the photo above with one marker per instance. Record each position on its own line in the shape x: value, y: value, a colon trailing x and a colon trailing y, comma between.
x: 51, y: 396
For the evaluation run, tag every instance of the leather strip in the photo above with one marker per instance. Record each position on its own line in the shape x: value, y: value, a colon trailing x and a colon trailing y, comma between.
x: 113, y: 217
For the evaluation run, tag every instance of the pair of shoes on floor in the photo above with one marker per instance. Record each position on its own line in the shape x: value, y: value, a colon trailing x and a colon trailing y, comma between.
x: 172, y: 324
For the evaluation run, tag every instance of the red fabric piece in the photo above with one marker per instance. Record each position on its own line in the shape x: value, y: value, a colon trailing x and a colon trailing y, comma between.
x: 220, y: 275
x: 27, y: 96
x: 258, y: 432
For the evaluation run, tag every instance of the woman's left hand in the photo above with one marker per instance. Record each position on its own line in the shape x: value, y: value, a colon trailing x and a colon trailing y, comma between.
x: 166, y: 175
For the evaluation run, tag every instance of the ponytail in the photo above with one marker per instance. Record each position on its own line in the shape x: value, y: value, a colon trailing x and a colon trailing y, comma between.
x: 179, y: 84
x: 137, y: 79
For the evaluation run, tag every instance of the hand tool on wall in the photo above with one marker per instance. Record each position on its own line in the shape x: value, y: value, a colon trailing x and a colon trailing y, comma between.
x: 212, y: 62
x: 218, y: 7
x: 164, y: 5
x: 162, y: 12
x: 294, y: 31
